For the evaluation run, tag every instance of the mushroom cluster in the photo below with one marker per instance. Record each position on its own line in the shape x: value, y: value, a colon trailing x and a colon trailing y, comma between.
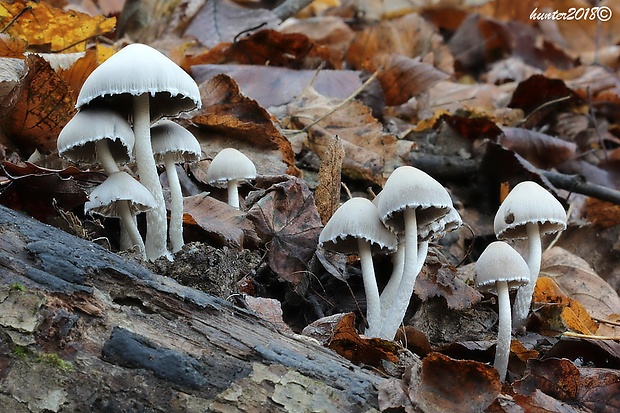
x: 415, y: 209
x: 140, y: 84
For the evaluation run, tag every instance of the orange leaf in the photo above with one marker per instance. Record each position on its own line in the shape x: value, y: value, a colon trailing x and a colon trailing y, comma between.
x: 35, y: 111
x: 79, y: 71
x: 53, y: 29
x: 12, y: 46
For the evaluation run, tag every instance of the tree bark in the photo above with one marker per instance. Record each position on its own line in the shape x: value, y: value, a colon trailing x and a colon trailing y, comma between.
x: 85, y: 330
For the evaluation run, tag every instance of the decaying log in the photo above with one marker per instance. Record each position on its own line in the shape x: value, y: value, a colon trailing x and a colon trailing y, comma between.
x: 85, y: 330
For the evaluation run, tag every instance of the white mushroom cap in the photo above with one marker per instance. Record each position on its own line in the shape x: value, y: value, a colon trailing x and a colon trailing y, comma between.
x: 168, y: 137
x: 409, y: 187
x: 357, y: 218
x: 438, y: 229
x: 119, y: 186
x: 228, y: 165
x: 77, y: 139
x: 528, y: 202
x: 137, y: 69
x: 500, y: 262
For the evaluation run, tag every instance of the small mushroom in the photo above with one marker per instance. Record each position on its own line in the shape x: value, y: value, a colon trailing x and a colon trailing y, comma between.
x: 121, y: 196
x: 97, y: 134
x: 355, y: 227
x: 529, y: 211
x: 410, y: 199
x: 230, y: 166
x: 499, y: 269
x: 142, y: 83
x: 173, y: 143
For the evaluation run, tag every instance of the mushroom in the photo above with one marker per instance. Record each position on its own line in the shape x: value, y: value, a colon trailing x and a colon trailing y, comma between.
x: 529, y: 211
x: 142, y: 82
x: 173, y: 143
x: 97, y: 134
x: 230, y: 166
x: 499, y: 269
x: 410, y: 199
x: 356, y: 227
x: 121, y: 196
x: 426, y: 234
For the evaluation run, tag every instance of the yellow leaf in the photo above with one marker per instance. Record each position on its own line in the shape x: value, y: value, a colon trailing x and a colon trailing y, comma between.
x: 49, y: 28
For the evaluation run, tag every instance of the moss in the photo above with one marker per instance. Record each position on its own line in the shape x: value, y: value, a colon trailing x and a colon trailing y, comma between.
x: 17, y: 287
x: 52, y: 359
x: 21, y: 352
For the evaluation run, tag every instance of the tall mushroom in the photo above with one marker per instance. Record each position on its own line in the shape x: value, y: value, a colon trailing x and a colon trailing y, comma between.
x: 229, y: 167
x: 410, y: 198
x: 142, y: 83
x: 97, y: 134
x: 529, y: 211
x: 356, y: 227
x: 499, y: 269
x: 173, y: 143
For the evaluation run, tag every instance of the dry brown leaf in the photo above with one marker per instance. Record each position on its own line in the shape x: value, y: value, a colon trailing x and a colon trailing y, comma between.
x: 327, y: 192
x: 369, y: 152
x: 577, y: 280
x: 12, y: 46
x: 439, y: 280
x: 240, y: 120
x: 602, y: 214
x: 268, y: 309
x: 541, y: 150
x: 37, y: 109
x: 50, y: 28
x: 79, y: 71
x: 558, y: 378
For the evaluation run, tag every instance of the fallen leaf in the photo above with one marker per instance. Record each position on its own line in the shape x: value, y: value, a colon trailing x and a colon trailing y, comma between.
x: 541, y: 150
x: 37, y: 109
x: 600, y: 389
x: 602, y: 214
x: 79, y: 71
x: 12, y: 46
x: 268, y: 309
x: 50, y: 28
x: 577, y: 280
x: 225, y: 225
x: 444, y: 384
x: 369, y: 151
x: 327, y: 192
x: 558, y: 378
x: 348, y: 343
x: 288, y: 223
x: 587, y: 352
x: 439, y: 280
x: 222, y: 21
x: 226, y: 112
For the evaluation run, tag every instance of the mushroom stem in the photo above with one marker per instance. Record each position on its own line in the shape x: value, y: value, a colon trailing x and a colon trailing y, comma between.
x: 176, y: 204
x: 129, y: 225
x: 233, y: 194
x: 397, y: 310
x: 391, y: 288
x: 523, y: 298
x: 156, y: 220
x: 502, y: 349
x: 373, y: 306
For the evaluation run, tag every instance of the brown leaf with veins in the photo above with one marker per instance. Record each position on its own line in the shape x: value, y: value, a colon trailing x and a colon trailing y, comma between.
x: 79, y: 71
x: 369, y: 152
x: 34, y: 112
x: 51, y: 29
x: 227, y: 113
x: 288, y: 223
x: 12, y: 46
x: 558, y: 378
x: 541, y: 150
x: 437, y: 279
x: 327, y: 192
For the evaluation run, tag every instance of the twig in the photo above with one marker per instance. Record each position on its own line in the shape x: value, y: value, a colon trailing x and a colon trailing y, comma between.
x: 601, y: 320
x: 589, y: 336
x: 578, y: 184
x: 290, y: 8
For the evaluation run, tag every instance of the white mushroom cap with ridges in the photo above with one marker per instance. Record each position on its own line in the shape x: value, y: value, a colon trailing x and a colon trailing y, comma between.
x: 171, y: 139
x: 500, y: 262
x: 119, y: 186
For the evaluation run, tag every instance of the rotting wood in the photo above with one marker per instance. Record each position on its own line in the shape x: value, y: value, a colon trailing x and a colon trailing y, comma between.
x: 85, y: 330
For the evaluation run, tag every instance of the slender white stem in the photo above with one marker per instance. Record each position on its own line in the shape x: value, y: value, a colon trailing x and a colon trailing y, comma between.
x: 175, y: 230
x: 129, y: 225
x: 156, y: 220
x: 523, y: 299
x: 398, y: 263
x: 502, y: 349
x: 397, y: 310
x: 233, y: 194
x: 373, y: 307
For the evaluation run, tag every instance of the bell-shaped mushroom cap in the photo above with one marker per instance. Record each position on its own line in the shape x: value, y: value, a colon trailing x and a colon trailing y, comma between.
x: 119, y: 186
x: 409, y: 187
x: 77, y: 139
x: 528, y: 202
x: 500, y: 262
x: 137, y: 69
x: 357, y: 218
x: 168, y: 137
x: 228, y: 165
x: 438, y: 229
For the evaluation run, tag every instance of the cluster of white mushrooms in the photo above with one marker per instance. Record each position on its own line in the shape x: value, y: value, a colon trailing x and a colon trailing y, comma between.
x: 141, y: 84
x: 528, y: 212
x: 414, y: 209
